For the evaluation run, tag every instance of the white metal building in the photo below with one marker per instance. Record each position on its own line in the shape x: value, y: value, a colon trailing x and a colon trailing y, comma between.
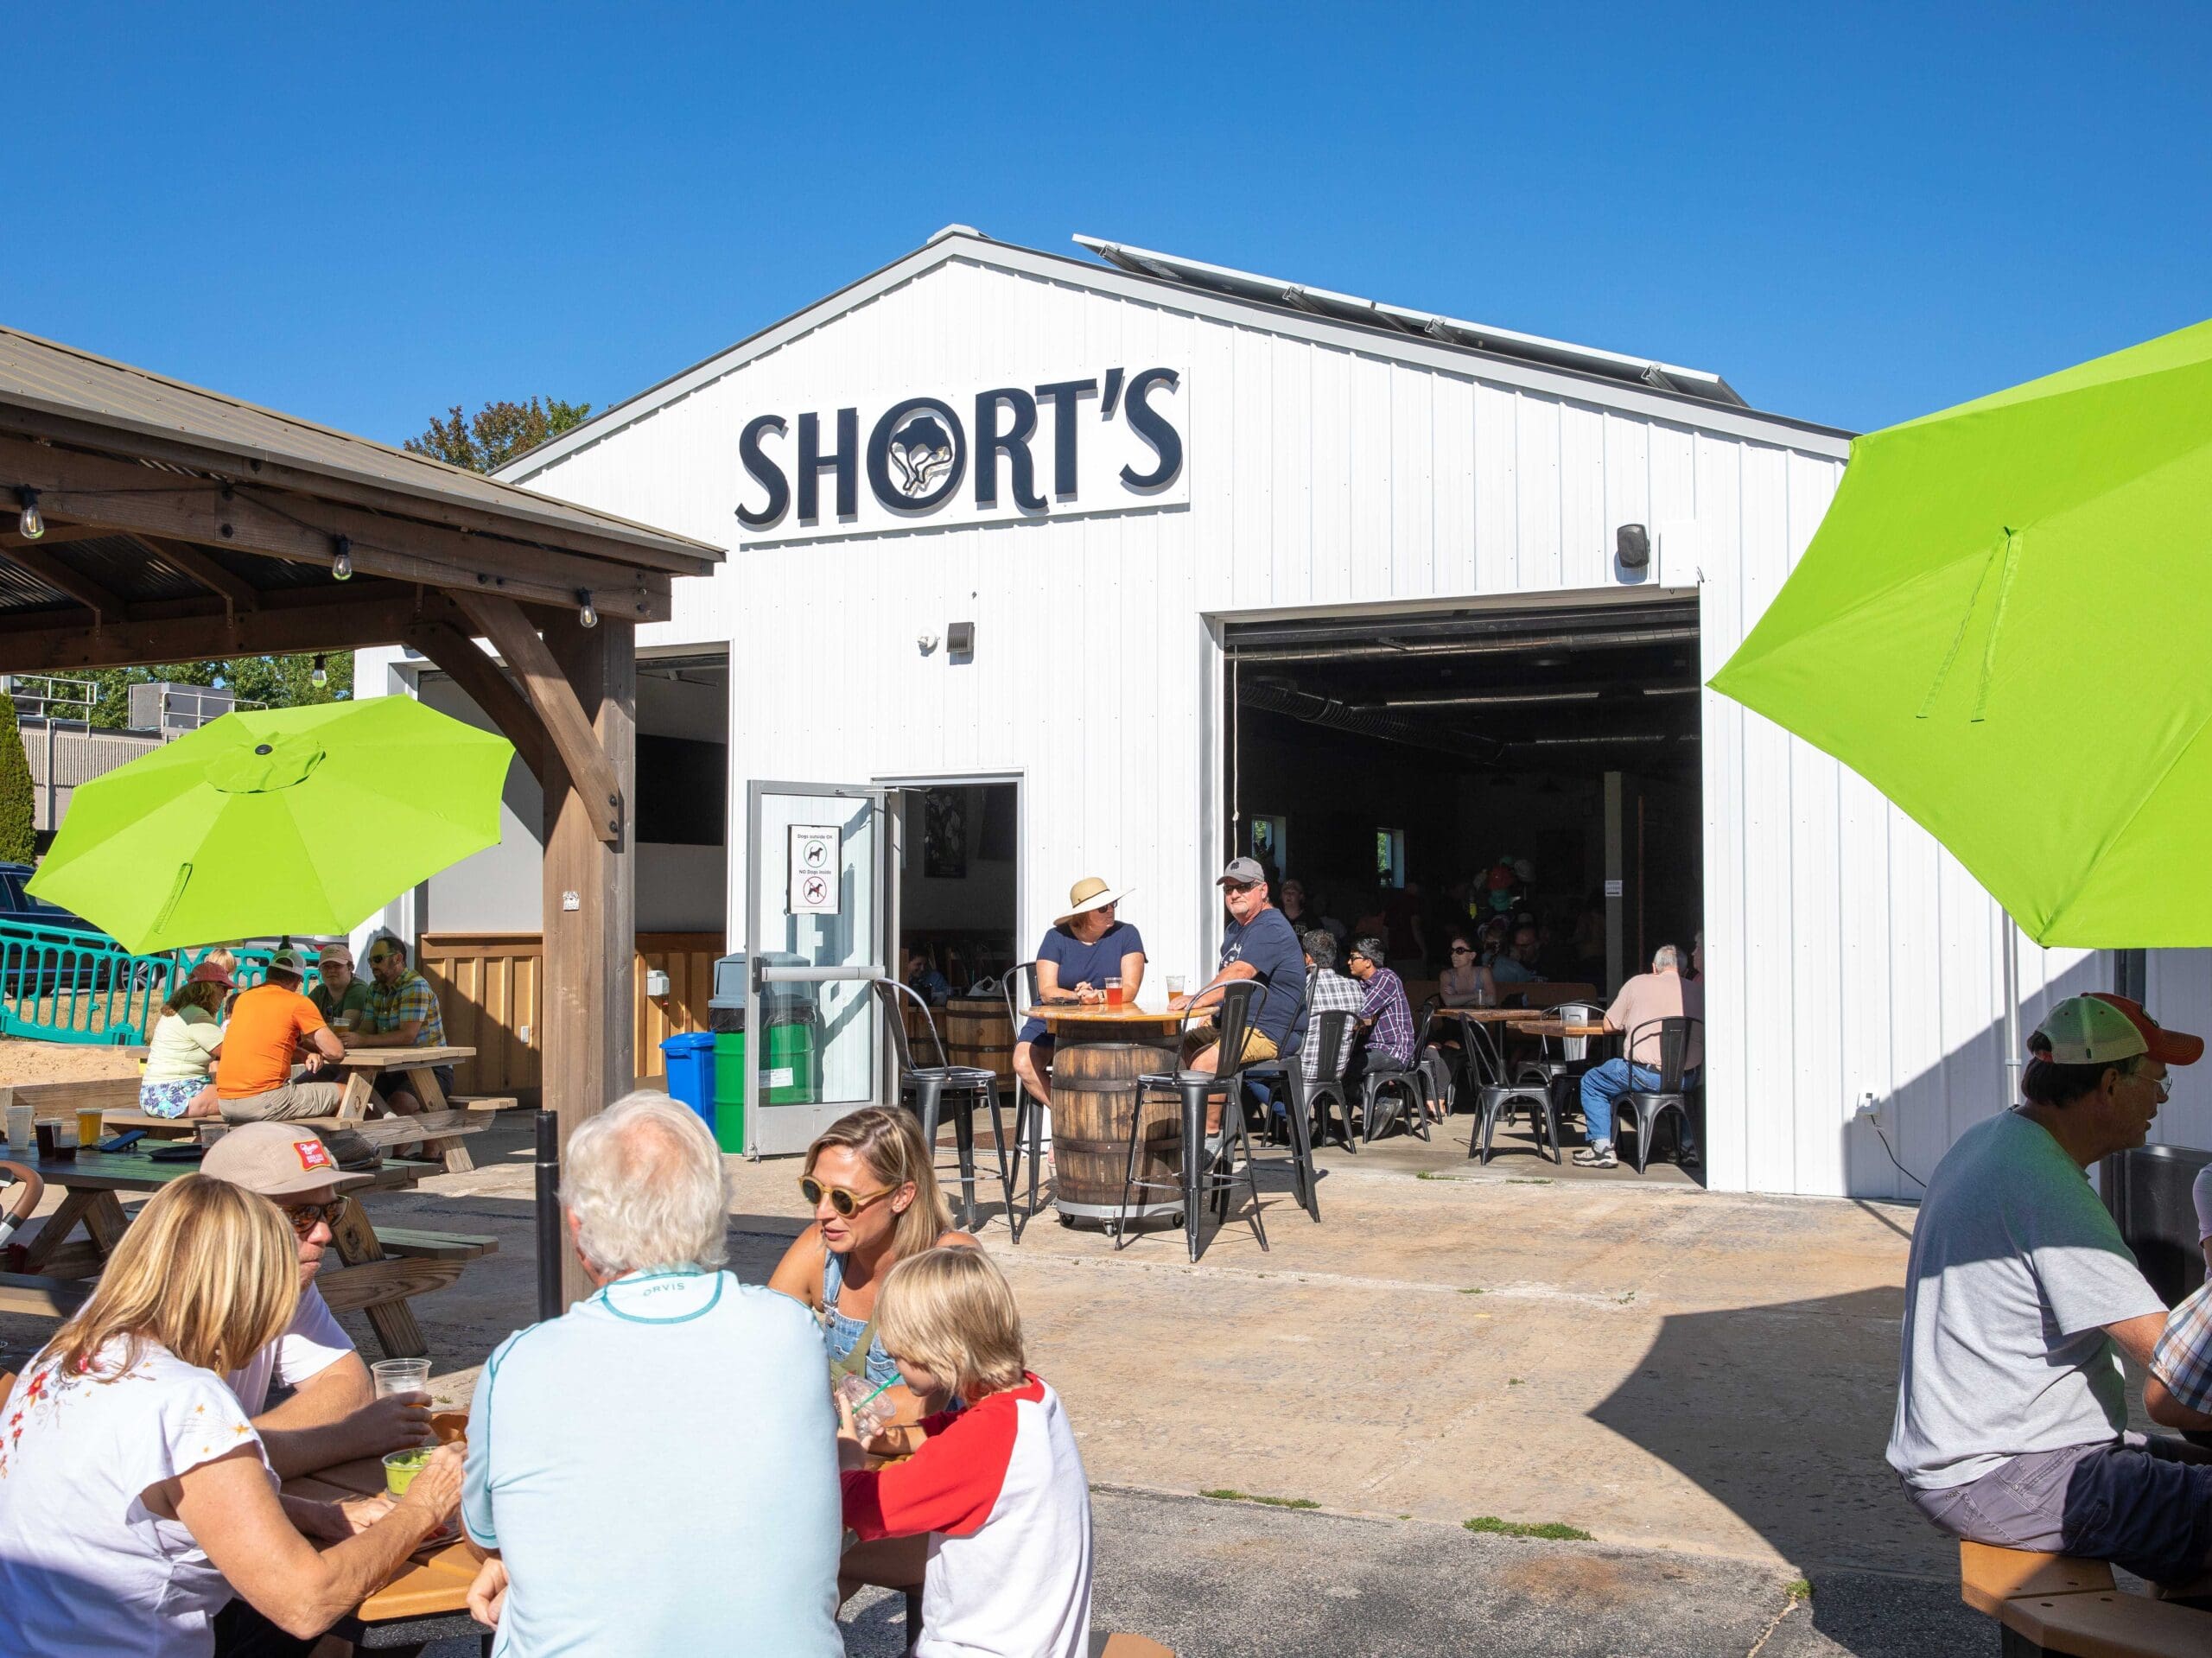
x: 1188, y: 452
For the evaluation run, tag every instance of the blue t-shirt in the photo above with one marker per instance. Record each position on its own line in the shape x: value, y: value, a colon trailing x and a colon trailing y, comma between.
x: 658, y: 1466
x: 1269, y: 945
x: 1081, y: 964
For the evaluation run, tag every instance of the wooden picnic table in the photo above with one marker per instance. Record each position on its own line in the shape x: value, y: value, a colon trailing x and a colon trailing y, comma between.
x: 432, y: 1583
x: 368, y: 1279
x: 363, y: 1066
x: 1558, y: 1029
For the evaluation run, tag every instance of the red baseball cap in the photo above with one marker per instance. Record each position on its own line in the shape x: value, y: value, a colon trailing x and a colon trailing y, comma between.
x: 2101, y: 1029
x: 208, y: 973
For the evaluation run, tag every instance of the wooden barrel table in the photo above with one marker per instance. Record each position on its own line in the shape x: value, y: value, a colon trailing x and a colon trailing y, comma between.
x: 978, y: 1032
x: 1099, y: 1053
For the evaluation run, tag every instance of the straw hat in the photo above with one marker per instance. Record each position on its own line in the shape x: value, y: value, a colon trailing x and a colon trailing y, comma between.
x: 1088, y: 894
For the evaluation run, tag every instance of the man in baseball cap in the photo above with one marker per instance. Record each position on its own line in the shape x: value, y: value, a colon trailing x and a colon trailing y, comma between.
x: 2012, y: 1418
x: 270, y: 1026
x: 333, y: 1414
x: 1259, y: 942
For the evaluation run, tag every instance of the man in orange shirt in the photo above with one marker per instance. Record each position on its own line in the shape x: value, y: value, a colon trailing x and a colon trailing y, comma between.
x: 270, y: 1024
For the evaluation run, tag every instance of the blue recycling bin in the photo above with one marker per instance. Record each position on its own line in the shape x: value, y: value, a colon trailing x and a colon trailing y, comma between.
x: 691, y: 1059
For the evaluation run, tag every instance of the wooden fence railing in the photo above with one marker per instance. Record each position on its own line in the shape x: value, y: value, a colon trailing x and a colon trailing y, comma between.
x: 488, y: 986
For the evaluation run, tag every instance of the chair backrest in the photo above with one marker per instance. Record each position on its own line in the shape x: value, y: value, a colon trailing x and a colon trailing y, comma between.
x: 1422, y: 1025
x: 1019, y: 985
x: 888, y: 991
x: 1578, y: 1013
x: 1674, y: 1047
x: 1332, y: 1031
x: 1240, y: 1000
x: 1484, y: 1053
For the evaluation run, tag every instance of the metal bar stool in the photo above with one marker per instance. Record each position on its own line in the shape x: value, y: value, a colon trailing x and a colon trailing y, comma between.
x: 929, y: 1089
x: 1204, y: 1175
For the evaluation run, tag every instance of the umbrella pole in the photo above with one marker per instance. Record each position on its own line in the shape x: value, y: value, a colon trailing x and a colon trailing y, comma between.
x: 549, y: 1299
x: 2011, y: 1008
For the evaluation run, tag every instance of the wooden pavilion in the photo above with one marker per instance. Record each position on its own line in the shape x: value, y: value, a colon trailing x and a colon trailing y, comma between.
x: 181, y: 524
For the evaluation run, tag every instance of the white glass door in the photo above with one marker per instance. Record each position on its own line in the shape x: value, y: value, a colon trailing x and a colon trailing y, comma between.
x: 815, y: 903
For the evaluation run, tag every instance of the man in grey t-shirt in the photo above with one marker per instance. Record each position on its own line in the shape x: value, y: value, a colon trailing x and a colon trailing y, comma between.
x: 2012, y: 1410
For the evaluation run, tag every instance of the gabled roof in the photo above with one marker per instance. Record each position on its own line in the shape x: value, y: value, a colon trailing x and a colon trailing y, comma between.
x: 94, y: 394
x: 1686, y: 396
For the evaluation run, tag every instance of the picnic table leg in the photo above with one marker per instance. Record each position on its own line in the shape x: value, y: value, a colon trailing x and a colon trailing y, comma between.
x: 359, y: 1092
x: 393, y: 1321
x: 451, y: 1148
x: 102, y: 1219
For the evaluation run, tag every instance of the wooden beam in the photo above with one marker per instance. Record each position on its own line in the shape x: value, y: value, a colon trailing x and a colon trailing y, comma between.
x: 238, y: 593
x: 96, y: 490
x: 586, y: 1012
x: 451, y: 649
x: 87, y: 591
x: 286, y: 624
x: 55, y: 533
x: 569, y: 727
x: 371, y: 492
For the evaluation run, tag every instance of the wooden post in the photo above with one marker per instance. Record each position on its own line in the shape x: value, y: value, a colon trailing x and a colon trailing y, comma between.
x: 585, y: 1016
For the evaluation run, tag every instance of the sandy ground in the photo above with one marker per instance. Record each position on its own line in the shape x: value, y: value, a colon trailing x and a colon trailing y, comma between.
x: 61, y: 1062
x: 1702, y: 1377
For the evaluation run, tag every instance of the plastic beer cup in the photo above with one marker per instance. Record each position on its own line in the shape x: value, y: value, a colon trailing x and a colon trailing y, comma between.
x: 1113, y: 993
x: 88, y: 1126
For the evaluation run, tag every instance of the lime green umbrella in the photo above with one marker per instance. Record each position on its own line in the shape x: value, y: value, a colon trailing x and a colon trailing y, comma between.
x: 2005, y: 624
x: 284, y: 821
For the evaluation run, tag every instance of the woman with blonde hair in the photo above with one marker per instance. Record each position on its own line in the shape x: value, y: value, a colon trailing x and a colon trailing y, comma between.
x: 876, y: 1203
x: 136, y: 1499
x: 179, y: 1079
x: 993, y: 1513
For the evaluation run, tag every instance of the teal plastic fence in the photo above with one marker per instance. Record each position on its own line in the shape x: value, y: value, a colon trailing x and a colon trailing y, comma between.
x: 58, y: 985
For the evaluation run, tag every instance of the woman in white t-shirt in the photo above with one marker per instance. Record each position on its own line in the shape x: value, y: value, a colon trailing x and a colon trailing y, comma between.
x: 181, y: 1054
x: 135, y: 1497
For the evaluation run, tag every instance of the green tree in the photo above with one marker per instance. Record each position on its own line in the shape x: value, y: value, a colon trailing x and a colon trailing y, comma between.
x: 497, y: 432
x: 16, y: 800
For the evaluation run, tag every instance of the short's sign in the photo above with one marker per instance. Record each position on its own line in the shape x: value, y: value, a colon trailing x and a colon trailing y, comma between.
x: 1108, y: 441
x: 814, y: 866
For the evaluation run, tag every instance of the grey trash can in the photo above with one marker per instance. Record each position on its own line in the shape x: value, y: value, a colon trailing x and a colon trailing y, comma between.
x: 2147, y: 1191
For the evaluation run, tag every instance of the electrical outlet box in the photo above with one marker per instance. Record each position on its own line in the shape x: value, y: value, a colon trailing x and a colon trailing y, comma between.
x: 1869, y: 1110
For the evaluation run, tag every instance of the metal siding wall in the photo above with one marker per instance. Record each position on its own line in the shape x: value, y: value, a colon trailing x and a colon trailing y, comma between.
x: 1846, y: 953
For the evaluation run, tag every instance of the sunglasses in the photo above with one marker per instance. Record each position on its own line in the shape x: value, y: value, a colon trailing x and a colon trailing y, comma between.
x: 845, y: 1201
x: 305, y: 1217
x: 1461, y: 949
x: 378, y: 960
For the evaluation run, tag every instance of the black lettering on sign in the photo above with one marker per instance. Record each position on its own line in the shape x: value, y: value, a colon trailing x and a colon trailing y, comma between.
x: 916, y: 455
x: 765, y: 473
x: 1063, y: 395
x: 812, y: 463
x: 1151, y: 426
x: 1014, y: 443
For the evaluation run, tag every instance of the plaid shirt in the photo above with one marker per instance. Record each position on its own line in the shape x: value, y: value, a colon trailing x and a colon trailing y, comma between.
x: 411, y: 999
x: 1393, y: 1031
x: 1326, y: 991
x: 2182, y: 1358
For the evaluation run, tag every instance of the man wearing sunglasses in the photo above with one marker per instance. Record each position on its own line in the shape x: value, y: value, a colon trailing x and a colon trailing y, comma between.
x: 332, y: 1414
x: 403, y: 1013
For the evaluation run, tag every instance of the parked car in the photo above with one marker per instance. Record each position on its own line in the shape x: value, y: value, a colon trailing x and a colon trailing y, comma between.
x: 49, y: 965
x: 17, y: 905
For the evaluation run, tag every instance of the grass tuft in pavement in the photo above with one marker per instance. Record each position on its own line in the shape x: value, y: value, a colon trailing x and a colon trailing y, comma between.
x: 1227, y: 1496
x: 1552, y: 1529
x: 1798, y: 1589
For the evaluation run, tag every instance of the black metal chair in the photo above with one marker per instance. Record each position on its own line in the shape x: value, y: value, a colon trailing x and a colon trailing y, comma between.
x: 1436, y: 1060
x: 1573, y: 1057
x: 1210, y: 1168
x: 1307, y: 1099
x: 930, y: 1091
x: 1028, y: 1110
x: 1674, y: 1037
x: 1388, y: 1090
x: 1496, y: 1098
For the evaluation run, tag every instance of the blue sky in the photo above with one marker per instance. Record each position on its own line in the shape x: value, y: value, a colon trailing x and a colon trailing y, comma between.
x: 364, y: 214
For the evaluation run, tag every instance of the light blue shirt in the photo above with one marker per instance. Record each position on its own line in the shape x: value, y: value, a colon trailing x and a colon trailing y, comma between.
x: 659, y: 1467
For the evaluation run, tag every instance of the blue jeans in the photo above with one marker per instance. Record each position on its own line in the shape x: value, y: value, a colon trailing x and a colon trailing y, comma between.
x: 1602, y: 1086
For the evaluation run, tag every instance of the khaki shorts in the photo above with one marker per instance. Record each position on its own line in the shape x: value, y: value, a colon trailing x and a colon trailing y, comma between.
x: 292, y: 1100
x: 1258, y: 1045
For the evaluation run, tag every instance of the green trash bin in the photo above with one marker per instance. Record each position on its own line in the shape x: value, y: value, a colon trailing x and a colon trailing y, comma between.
x: 729, y: 1090
x: 790, y: 1077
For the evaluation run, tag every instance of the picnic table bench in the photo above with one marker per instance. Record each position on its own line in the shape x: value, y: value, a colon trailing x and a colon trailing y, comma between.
x: 2055, y: 1603
x: 373, y: 1278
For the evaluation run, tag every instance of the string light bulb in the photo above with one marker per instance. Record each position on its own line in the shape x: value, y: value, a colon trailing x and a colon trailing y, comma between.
x: 319, y: 675
x: 32, y: 524
x: 586, y: 617
x: 341, y: 568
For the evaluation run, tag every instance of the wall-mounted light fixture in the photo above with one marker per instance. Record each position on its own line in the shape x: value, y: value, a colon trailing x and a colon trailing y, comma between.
x: 1632, y: 546
x: 960, y: 638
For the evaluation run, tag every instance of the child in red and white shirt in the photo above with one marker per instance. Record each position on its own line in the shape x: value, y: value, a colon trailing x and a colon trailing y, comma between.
x: 997, y: 1487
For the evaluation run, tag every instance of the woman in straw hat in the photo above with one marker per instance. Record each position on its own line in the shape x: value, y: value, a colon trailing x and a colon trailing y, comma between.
x: 1086, y: 947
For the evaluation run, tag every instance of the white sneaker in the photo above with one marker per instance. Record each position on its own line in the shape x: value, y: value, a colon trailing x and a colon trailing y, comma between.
x: 1599, y: 1156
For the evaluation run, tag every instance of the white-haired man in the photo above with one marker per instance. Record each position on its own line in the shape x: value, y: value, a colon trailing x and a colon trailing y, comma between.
x: 1661, y: 994
x: 655, y: 1471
